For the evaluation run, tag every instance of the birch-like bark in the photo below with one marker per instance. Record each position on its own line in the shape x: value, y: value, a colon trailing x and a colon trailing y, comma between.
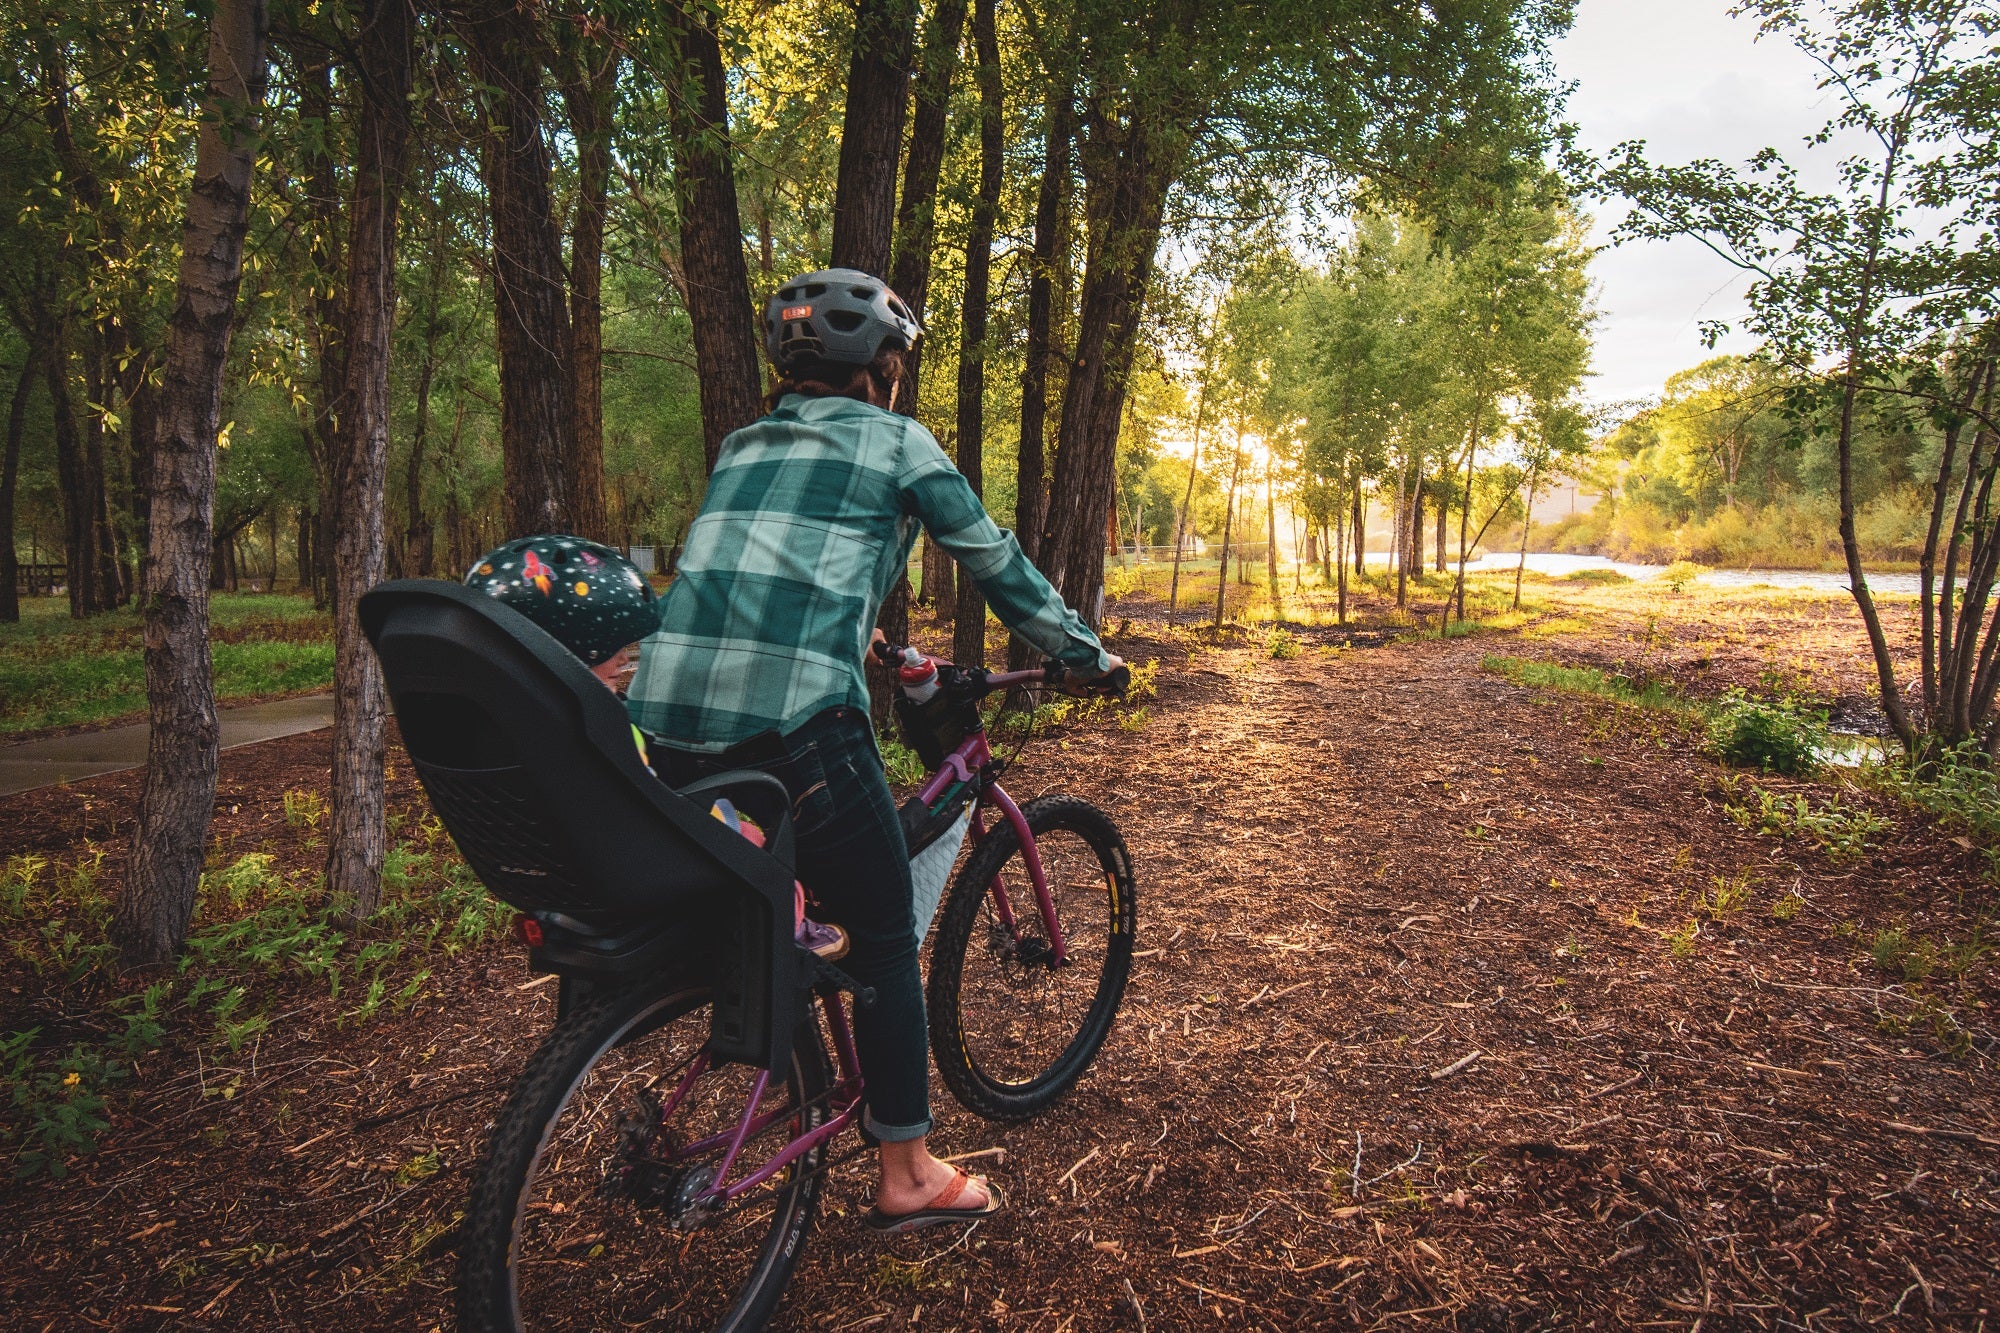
x: 357, y: 842
x: 178, y: 795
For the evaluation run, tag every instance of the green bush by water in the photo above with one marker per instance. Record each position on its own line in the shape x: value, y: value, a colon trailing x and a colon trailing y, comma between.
x: 1775, y: 734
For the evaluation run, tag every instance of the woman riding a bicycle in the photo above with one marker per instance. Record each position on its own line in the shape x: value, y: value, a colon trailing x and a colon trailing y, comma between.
x: 808, y: 522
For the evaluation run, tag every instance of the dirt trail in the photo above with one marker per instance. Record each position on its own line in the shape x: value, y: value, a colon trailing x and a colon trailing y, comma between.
x: 1402, y: 924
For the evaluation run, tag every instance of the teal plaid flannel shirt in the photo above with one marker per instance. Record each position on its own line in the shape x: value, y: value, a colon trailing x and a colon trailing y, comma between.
x: 808, y: 522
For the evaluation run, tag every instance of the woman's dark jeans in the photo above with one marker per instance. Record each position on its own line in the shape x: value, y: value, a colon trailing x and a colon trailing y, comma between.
x: 853, y: 862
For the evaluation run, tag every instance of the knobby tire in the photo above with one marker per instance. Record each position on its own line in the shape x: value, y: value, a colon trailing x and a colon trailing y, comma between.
x: 981, y: 1002
x: 490, y: 1248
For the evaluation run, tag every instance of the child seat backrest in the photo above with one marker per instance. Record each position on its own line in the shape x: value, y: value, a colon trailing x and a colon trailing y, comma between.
x: 530, y: 764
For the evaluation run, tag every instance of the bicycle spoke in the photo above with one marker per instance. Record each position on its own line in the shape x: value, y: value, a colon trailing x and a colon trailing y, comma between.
x: 615, y: 1228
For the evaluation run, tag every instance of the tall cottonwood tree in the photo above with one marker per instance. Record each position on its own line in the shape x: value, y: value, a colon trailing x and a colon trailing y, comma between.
x: 531, y: 310
x: 178, y: 795
x: 385, y: 46
x: 871, y: 134
x: 969, y: 615
x: 590, y: 94
x: 728, y: 353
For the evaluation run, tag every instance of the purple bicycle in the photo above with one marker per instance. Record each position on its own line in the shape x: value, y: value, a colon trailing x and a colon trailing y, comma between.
x: 632, y: 1179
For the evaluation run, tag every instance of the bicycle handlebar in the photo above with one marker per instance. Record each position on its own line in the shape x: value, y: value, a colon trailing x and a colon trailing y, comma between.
x: 977, y: 682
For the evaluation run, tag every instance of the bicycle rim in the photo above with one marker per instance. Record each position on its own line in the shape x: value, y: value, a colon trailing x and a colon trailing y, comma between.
x: 1013, y: 1032
x: 597, y: 1165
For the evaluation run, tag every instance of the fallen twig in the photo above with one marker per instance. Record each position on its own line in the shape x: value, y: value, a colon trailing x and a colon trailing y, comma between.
x: 1610, y: 1088
x: 1085, y: 1161
x: 1932, y: 1132
x: 1201, y: 1290
x: 1137, y: 1309
x: 1463, y: 1062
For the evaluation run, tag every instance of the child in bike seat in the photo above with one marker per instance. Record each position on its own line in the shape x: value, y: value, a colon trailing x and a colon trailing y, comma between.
x: 808, y: 522
x: 590, y: 599
x: 596, y: 603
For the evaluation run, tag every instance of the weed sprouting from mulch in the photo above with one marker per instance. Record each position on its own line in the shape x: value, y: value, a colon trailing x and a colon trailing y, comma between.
x: 261, y: 938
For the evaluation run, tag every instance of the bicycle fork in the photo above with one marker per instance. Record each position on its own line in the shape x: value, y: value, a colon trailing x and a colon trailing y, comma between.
x: 1058, y: 947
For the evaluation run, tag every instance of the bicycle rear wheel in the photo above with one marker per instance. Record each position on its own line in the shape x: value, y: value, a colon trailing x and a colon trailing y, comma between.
x: 583, y: 1214
x: 1011, y: 1031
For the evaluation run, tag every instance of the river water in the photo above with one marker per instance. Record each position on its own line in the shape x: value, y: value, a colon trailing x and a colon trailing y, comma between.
x: 1558, y: 566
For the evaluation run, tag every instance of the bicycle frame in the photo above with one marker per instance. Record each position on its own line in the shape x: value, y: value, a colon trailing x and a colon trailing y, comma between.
x: 967, y: 765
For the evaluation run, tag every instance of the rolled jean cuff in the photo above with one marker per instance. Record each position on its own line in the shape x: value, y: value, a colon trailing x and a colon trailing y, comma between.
x: 894, y: 1133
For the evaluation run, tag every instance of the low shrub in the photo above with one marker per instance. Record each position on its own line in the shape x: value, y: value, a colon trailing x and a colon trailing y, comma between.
x: 1777, y: 735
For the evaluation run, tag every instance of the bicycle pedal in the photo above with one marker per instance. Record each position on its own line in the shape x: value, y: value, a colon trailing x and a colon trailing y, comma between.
x: 825, y: 942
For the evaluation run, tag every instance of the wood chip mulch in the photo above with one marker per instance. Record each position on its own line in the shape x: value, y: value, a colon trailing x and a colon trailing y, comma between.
x: 1407, y: 1045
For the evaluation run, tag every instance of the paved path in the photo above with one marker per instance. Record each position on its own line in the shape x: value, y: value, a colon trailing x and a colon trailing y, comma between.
x: 55, y: 759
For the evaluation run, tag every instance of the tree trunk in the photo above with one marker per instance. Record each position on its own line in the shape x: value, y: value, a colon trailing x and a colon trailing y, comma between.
x: 178, y: 795
x: 328, y: 271
x: 1194, y: 459
x: 358, y: 842
x: 303, y: 549
x: 73, y: 480
x: 916, y: 222
x: 589, y: 97
x: 10, y: 477
x: 1114, y: 292
x: 1271, y: 542
x: 969, y: 622
x: 1228, y: 520
x: 1464, y: 512
x: 1051, y: 214
x: 1398, y: 542
x: 1527, y: 519
x: 934, y: 586
x: 530, y: 312
x: 727, y: 352
x: 103, y: 536
x: 871, y: 134
x: 419, y: 535
x: 1442, y: 561
x: 1360, y: 532
x: 1340, y: 563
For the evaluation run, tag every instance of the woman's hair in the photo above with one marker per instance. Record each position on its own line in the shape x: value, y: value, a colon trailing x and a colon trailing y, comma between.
x: 817, y: 377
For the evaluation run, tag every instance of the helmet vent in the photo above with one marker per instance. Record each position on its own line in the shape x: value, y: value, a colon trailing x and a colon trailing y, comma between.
x: 902, y: 312
x: 813, y: 289
x: 862, y: 293
x: 844, y: 321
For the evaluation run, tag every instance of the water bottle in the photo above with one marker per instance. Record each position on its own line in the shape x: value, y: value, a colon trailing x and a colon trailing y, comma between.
x: 918, y: 675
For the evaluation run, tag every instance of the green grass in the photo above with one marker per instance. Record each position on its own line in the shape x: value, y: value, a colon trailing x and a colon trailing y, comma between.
x: 55, y: 671
x: 1585, y: 681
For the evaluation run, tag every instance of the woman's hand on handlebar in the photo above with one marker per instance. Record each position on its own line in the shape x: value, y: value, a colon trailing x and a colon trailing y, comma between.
x: 1112, y: 681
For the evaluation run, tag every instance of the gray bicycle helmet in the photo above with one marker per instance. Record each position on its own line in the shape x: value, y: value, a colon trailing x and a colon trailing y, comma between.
x: 836, y: 314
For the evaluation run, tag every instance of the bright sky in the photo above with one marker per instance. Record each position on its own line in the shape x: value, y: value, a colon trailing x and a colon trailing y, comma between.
x: 1693, y: 82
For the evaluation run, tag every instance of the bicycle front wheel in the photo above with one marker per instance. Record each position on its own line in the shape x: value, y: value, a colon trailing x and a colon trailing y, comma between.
x: 587, y: 1211
x: 1012, y: 1030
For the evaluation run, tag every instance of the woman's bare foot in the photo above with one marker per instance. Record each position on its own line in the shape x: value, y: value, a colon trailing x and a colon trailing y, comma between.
x: 911, y: 1178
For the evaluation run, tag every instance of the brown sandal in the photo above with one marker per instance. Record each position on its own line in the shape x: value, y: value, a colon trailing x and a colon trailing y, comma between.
x: 939, y: 1211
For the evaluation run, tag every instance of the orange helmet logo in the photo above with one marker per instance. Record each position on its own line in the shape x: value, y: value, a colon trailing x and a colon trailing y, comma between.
x: 798, y: 312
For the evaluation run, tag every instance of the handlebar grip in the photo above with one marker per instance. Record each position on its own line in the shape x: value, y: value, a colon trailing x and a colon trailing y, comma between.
x: 1114, y: 682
